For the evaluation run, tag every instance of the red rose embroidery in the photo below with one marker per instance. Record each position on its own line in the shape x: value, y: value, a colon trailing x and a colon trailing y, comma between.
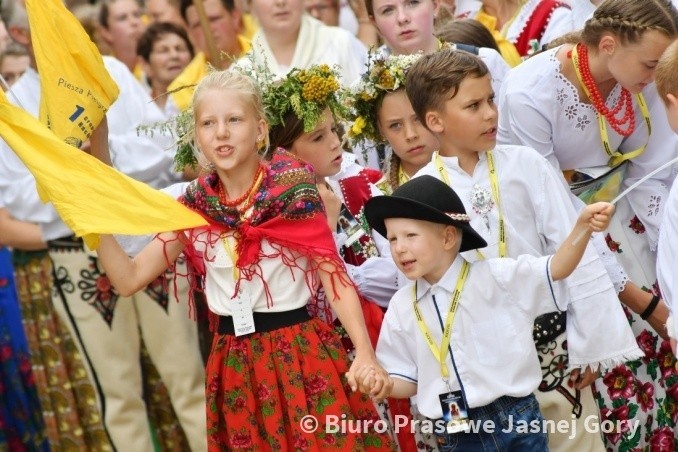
x: 316, y: 385
x: 645, y: 396
x: 636, y: 225
x: 662, y: 440
x: 648, y: 344
x: 618, y: 414
x: 620, y: 383
x: 612, y: 245
x: 241, y: 441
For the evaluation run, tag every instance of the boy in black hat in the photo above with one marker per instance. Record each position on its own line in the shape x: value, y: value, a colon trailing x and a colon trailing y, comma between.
x: 469, y: 343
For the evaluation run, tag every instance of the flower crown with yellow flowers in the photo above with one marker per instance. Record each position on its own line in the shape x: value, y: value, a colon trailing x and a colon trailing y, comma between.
x: 306, y: 92
x: 383, y: 75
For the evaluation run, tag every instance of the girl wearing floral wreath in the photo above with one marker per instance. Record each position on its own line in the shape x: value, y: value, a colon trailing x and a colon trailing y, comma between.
x: 302, y: 109
x: 262, y: 258
x: 380, y: 111
x: 589, y: 106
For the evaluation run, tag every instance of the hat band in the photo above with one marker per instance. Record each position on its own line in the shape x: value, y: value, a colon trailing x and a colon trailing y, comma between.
x: 459, y: 217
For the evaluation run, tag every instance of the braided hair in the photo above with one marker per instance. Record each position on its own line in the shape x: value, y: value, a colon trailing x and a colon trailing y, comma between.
x: 626, y: 19
x: 630, y: 19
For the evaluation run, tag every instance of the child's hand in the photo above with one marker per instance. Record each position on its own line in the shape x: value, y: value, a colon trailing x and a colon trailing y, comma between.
x: 597, y: 216
x: 374, y: 382
x: 332, y: 204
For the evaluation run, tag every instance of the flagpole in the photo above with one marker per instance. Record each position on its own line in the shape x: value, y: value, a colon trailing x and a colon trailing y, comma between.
x: 213, y: 53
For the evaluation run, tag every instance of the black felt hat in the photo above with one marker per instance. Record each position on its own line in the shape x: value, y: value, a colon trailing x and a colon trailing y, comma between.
x: 424, y: 198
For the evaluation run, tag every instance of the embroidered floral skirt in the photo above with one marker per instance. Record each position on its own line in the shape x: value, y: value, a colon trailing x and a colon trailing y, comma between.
x: 646, y: 390
x: 285, y: 390
x: 69, y: 406
x: 21, y: 424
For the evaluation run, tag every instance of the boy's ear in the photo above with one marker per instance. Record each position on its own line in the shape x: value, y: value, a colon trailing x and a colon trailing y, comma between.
x: 450, y: 237
x: 434, y: 122
x: 671, y: 99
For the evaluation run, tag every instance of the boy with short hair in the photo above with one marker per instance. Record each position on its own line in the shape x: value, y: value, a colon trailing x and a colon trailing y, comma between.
x: 666, y: 79
x: 519, y: 204
x: 469, y: 343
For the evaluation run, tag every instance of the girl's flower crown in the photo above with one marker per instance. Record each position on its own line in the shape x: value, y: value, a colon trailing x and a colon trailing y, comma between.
x: 383, y: 75
x: 306, y: 92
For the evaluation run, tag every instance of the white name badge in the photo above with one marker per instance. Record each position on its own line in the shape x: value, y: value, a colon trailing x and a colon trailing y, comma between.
x: 243, y: 318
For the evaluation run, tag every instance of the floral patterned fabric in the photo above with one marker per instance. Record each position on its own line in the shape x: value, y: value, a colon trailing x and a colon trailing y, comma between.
x: 69, y: 405
x: 261, y: 386
x: 645, y: 390
x: 21, y: 424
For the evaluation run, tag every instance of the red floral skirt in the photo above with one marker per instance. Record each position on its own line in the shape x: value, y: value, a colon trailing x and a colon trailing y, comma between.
x: 285, y: 390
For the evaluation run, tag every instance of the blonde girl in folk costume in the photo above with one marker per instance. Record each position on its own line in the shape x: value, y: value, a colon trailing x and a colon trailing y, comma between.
x: 263, y: 257
x: 588, y: 107
x: 308, y: 130
x: 520, y: 27
x: 289, y: 38
x: 380, y: 112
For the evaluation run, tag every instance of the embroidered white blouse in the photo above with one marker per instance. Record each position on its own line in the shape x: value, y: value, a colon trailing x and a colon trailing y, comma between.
x: 491, y: 338
x: 287, y: 285
x: 539, y: 108
x: 538, y: 216
x: 559, y: 23
x: 317, y: 44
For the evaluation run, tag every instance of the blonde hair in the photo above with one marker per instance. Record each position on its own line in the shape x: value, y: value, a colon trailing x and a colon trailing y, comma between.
x: 235, y: 80
x: 666, y: 73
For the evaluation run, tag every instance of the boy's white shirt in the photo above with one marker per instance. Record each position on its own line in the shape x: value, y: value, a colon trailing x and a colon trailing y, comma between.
x: 491, y: 337
x: 538, y: 216
x: 667, y: 258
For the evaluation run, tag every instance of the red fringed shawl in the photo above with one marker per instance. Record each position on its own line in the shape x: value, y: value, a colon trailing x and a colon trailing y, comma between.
x: 287, y: 212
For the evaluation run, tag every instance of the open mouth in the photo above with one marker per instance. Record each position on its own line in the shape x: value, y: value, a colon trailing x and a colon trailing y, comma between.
x: 491, y: 132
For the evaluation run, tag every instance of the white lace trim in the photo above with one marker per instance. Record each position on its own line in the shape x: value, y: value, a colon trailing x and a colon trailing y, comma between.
x: 630, y: 354
x: 579, y: 115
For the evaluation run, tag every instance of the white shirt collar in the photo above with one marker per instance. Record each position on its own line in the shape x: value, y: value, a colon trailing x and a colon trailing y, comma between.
x: 447, y: 282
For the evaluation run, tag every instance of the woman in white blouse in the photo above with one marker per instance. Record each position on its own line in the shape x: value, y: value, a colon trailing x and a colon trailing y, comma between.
x: 289, y: 38
x: 586, y: 106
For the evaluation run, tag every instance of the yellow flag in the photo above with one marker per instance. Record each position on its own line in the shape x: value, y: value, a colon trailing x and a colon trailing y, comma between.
x: 76, y: 89
x: 91, y: 198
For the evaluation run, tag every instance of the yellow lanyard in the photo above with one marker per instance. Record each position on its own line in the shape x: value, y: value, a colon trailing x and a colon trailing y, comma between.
x: 616, y: 157
x: 441, y: 353
x: 402, y: 176
x: 234, y: 258
x: 494, y: 184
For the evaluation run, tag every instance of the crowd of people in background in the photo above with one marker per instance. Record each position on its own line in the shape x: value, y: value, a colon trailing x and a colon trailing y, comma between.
x: 358, y: 164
